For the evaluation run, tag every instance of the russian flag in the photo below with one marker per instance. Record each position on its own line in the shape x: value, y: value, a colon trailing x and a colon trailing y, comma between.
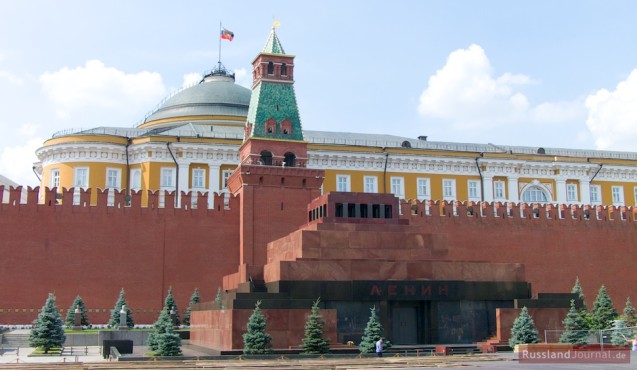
x: 227, y: 34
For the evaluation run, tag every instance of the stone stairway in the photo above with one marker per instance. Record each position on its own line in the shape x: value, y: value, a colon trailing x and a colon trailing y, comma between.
x: 15, y: 340
x: 493, y: 344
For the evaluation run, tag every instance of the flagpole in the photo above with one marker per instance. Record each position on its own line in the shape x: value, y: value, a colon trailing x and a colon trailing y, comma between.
x: 219, y: 40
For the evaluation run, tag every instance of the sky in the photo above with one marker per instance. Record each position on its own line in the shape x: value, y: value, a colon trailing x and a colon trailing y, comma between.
x: 540, y: 73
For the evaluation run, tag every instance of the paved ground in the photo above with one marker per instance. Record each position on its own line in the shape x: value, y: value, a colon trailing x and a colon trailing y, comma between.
x: 82, y: 358
x: 91, y: 358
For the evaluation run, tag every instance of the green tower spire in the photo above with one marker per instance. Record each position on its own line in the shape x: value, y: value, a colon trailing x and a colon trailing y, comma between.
x: 273, y: 112
x: 273, y: 45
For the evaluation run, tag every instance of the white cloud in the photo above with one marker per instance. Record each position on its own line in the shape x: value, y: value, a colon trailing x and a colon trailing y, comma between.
x: 4, y: 75
x: 16, y: 162
x: 191, y: 79
x: 465, y: 91
x: 474, y: 105
x: 612, y: 115
x: 96, y: 86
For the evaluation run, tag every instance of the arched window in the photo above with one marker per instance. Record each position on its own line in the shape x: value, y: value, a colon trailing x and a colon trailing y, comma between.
x: 270, y: 68
x: 266, y: 158
x: 534, y: 194
x: 290, y: 159
x: 286, y: 127
x: 284, y: 69
x: 270, y: 126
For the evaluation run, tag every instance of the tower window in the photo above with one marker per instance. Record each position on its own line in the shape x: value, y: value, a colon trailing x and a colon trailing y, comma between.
x: 284, y: 70
x: 290, y: 159
x: 270, y: 126
x: 266, y: 158
x: 286, y: 127
x: 270, y: 68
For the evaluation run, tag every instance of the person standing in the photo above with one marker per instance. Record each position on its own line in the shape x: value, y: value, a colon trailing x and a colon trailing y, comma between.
x: 379, y: 347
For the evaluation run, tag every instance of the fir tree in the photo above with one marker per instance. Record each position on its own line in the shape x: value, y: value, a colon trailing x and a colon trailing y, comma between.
x: 629, y: 316
x: 48, y: 329
x: 163, y: 341
x: 603, y: 313
x: 114, y: 321
x: 256, y: 340
x: 194, y: 299
x: 523, y: 330
x: 620, y: 334
x: 314, y: 341
x: 172, y: 306
x: 70, y: 314
x: 373, y: 332
x: 577, y: 289
x: 575, y: 328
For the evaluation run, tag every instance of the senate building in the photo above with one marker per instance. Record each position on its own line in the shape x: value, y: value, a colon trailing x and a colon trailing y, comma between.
x: 221, y: 188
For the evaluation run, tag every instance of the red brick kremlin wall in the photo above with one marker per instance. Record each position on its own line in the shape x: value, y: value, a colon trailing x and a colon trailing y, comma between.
x: 94, y: 251
x: 556, y: 247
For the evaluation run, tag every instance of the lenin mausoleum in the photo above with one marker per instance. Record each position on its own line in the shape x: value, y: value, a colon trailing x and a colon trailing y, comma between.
x: 220, y: 187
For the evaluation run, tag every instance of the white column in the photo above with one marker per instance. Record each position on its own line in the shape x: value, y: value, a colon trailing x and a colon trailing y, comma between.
x: 560, y: 191
x: 514, y: 192
x: 213, y: 182
x: 487, y: 182
x: 585, y: 191
x: 184, y: 177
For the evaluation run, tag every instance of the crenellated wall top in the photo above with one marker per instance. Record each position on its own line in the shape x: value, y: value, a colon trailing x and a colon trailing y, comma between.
x: 411, y: 209
x: 107, y: 202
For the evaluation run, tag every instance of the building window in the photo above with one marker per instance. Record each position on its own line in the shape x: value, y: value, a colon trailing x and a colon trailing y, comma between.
x: 596, y: 197
x: 571, y: 192
x: 534, y: 195
x: 81, y: 178
x: 398, y: 187
x: 284, y: 69
x: 55, y: 178
x: 498, y: 190
x: 113, y: 178
x: 166, y: 183
x: 371, y: 184
x: 136, y: 179
x: 167, y: 178
x: 80, y: 181
x: 342, y: 183
x: 198, y: 178
x: 449, y: 189
x: 423, y: 189
x: 270, y: 68
x: 618, y: 195
x: 474, y: 190
x: 225, y: 176
x: 113, y: 182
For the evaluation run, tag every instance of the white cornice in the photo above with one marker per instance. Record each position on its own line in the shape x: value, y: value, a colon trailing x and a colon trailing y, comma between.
x: 82, y: 152
x: 217, y: 154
